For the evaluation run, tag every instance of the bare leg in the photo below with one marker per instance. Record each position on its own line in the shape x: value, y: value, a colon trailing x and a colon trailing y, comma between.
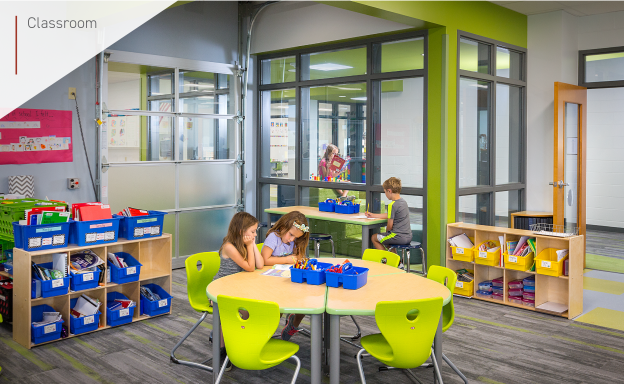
x: 376, y: 242
x: 298, y: 319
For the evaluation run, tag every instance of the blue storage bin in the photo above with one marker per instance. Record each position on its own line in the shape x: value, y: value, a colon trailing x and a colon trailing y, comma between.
x: 309, y: 276
x: 347, y: 208
x: 82, y: 281
x: 40, y: 237
x: 348, y: 281
x: 93, y: 232
x: 44, y: 333
x: 153, y: 308
x: 529, y: 281
x: 141, y: 226
x: 35, y: 292
x: 125, y: 275
x: 529, y: 288
x: 83, y: 324
x: 8, y: 268
x: 121, y: 316
x: 51, y: 288
x: 328, y: 205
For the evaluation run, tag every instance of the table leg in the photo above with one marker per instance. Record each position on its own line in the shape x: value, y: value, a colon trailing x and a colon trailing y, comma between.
x: 437, y: 348
x: 366, y: 235
x: 216, y: 342
x: 315, y: 348
x: 326, y: 343
x: 334, y: 372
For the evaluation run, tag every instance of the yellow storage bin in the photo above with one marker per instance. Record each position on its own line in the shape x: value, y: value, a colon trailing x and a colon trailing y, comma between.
x: 487, y: 258
x: 463, y: 254
x: 464, y: 288
x: 546, y: 263
x: 519, y: 263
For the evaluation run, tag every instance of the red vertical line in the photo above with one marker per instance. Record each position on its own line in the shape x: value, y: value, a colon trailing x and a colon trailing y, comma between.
x: 16, y: 44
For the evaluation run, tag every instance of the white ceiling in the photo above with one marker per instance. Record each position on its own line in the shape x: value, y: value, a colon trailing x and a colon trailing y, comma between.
x: 576, y: 8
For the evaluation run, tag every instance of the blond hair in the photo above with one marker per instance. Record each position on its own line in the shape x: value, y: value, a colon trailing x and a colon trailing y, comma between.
x: 284, y: 224
x: 393, y: 184
x: 239, y: 224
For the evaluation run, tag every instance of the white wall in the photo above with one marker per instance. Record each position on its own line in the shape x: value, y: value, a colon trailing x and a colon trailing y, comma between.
x: 554, y: 40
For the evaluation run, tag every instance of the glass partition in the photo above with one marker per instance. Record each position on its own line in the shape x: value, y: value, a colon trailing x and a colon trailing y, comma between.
x: 509, y: 144
x: 203, y: 231
x: 279, y: 70
x: 402, y: 55
x: 203, y: 185
x: 474, y: 56
x: 278, y: 134
x: 335, y: 115
x: 335, y: 63
x: 604, y: 67
x: 136, y: 186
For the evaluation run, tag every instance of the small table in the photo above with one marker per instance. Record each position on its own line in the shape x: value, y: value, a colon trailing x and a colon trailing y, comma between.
x: 314, y: 213
x: 382, y: 287
x: 291, y: 298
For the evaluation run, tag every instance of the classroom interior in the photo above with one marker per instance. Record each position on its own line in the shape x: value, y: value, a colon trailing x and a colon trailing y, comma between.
x: 457, y: 99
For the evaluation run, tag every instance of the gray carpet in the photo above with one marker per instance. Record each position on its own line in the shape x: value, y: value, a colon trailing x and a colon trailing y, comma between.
x: 602, y: 243
x: 490, y: 343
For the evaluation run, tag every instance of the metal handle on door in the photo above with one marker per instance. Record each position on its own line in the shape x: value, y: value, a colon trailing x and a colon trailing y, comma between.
x: 562, y: 184
x: 553, y: 183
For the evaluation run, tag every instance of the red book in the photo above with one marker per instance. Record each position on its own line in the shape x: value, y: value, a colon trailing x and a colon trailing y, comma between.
x: 336, y: 164
x: 94, y: 212
x: 75, y: 209
x: 37, y: 210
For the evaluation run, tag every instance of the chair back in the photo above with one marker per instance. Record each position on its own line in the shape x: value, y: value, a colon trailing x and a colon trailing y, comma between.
x: 378, y: 256
x: 448, y: 278
x: 260, y: 247
x: 410, y: 340
x: 198, y: 280
x: 245, y: 339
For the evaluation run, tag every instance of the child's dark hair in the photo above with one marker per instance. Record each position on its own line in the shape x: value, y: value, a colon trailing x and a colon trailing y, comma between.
x: 393, y: 184
x: 239, y: 224
x: 286, y: 222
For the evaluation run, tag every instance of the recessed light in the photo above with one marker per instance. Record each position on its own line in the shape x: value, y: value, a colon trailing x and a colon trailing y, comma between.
x: 329, y: 67
x: 342, y: 96
x: 359, y: 98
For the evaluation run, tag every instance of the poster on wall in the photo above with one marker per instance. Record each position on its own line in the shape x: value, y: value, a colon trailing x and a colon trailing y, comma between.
x: 32, y: 136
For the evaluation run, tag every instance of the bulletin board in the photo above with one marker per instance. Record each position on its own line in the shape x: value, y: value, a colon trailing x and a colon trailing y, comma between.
x: 32, y: 136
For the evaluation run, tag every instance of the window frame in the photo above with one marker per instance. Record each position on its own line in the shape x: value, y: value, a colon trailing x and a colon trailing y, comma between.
x: 597, y: 84
x: 369, y: 78
x: 494, y: 80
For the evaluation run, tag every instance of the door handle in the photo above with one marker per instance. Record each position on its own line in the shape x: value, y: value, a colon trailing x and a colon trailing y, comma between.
x: 562, y: 184
x: 553, y: 183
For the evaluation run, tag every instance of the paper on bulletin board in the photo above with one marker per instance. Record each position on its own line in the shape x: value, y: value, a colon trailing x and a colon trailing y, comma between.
x: 31, y: 136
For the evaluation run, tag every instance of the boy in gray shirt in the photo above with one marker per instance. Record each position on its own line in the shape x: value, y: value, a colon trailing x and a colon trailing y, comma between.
x: 399, y: 229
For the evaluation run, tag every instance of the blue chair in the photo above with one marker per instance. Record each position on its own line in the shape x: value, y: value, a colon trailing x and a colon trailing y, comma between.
x: 406, y: 261
x: 317, y: 238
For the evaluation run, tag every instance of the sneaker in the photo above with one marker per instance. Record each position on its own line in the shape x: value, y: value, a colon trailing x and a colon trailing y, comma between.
x: 223, y: 354
x: 290, y: 329
x: 401, y: 265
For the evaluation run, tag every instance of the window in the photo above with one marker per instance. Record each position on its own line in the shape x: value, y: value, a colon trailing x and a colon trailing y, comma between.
x: 491, y: 130
x: 366, y: 98
x: 600, y: 68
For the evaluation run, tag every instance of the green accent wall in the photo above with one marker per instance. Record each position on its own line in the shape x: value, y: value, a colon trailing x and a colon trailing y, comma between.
x: 444, y: 19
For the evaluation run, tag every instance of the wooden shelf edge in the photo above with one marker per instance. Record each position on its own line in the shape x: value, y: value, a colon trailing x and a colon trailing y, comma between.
x: 5, y: 274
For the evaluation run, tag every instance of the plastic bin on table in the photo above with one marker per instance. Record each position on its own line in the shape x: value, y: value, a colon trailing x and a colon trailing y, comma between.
x: 312, y: 277
x: 348, y: 281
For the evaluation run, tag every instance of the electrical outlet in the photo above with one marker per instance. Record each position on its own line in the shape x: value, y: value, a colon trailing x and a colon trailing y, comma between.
x: 72, y: 93
x: 73, y: 183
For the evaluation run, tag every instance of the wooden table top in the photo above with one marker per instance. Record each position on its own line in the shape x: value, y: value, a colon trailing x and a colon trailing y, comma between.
x: 291, y: 297
x: 314, y: 213
x: 394, y: 287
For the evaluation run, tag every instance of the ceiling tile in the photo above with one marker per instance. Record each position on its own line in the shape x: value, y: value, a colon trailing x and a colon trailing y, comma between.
x: 531, y: 7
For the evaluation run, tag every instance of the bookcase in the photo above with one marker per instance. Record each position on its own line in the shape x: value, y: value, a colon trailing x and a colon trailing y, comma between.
x: 153, y: 253
x: 566, y: 290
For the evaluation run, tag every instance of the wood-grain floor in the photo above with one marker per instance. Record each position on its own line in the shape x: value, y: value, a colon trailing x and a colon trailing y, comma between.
x: 490, y: 343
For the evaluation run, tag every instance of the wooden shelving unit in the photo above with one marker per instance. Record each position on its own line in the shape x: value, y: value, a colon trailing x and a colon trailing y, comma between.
x: 567, y: 290
x: 153, y: 253
x: 512, y: 219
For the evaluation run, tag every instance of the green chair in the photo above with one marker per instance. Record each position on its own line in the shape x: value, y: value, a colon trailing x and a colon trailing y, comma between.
x: 196, y: 283
x: 378, y: 256
x: 403, y: 343
x: 248, y: 342
x: 447, y: 277
x: 260, y: 247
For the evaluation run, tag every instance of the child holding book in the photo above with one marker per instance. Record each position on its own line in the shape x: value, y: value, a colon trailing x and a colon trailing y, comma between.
x: 324, y: 167
x: 286, y: 243
x: 399, y: 230
x: 239, y: 253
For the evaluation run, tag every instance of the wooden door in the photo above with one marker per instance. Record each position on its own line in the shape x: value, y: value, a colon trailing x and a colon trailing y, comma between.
x: 569, y: 182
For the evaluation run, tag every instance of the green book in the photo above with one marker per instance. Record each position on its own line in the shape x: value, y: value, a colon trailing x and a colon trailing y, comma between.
x: 54, y: 217
x: 532, y: 245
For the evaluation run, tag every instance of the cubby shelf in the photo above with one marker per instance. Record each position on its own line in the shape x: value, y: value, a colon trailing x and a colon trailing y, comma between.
x: 567, y: 290
x: 153, y: 253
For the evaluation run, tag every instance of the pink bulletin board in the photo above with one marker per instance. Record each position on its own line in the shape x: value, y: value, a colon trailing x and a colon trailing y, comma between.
x: 31, y: 136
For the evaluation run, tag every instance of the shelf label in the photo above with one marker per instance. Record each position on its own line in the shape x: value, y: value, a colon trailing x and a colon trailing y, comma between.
x: 87, y: 277
x: 89, y: 320
x: 545, y: 264
x: 147, y: 230
x: 58, y: 239
x: 459, y: 284
x: 483, y: 255
x: 90, y: 237
x: 156, y: 230
x: 48, y: 229
x: 57, y: 283
x: 140, y: 221
x: 162, y: 303
x: 138, y: 232
x: 130, y: 270
x: 34, y: 242
x: 513, y: 259
x: 110, y: 235
x: 459, y: 251
x: 104, y: 225
x: 49, y: 328
x: 100, y: 236
x: 124, y: 312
